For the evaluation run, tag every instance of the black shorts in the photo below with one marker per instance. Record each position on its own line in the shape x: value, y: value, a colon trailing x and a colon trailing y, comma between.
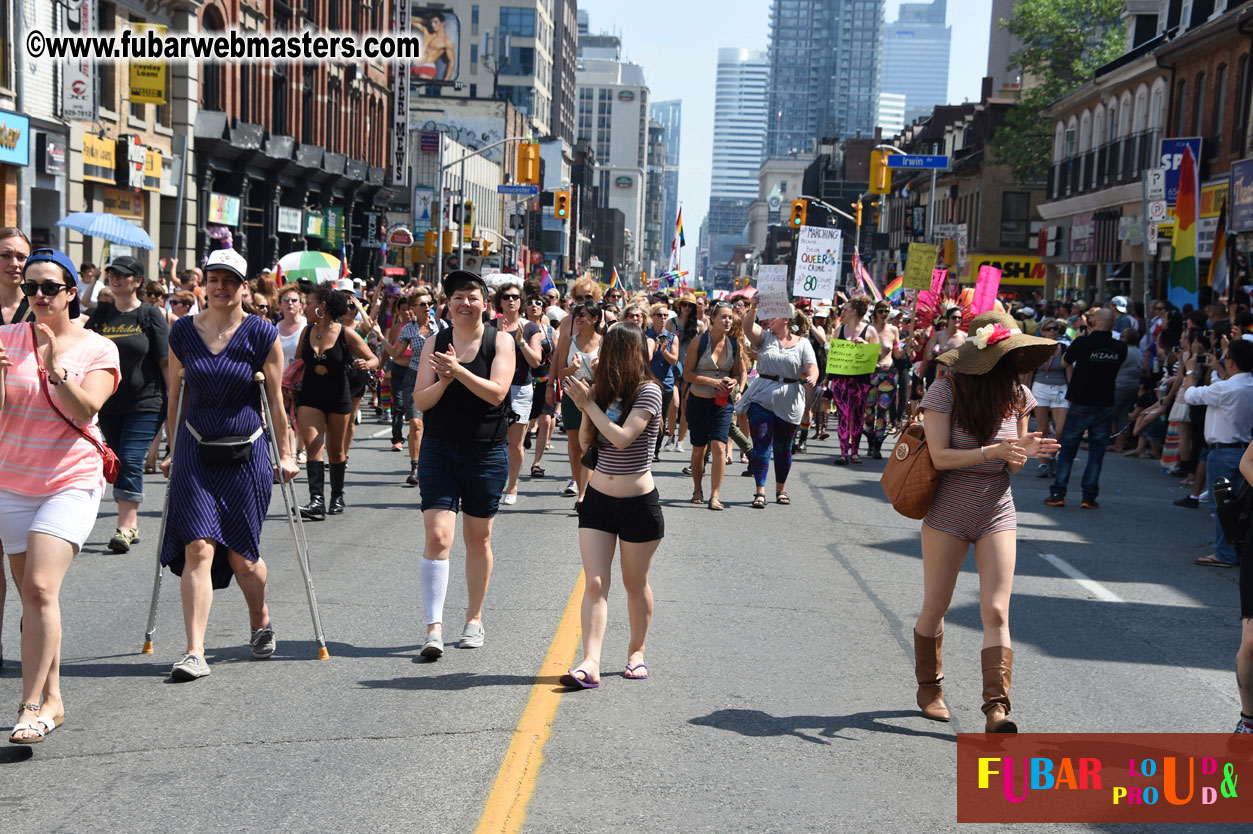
x: 636, y: 519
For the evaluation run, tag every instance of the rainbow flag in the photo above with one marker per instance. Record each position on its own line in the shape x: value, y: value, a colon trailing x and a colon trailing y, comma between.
x: 343, y: 260
x: 679, y: 241
x: 1217, y: 277
x: 545, y: 281
x: 615, y: 283
x: 894, y: 288
x: 1184, y: 274
x: 859, y: 269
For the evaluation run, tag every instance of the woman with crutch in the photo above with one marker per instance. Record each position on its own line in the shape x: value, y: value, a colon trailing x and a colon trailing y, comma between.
x: 54, y: 376
x: 221, y: 475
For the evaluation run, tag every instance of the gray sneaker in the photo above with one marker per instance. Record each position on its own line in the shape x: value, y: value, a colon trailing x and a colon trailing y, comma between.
x: 434, y: 646
x: 189, y: 668
x: 472, y: 636
x: 263, y: 643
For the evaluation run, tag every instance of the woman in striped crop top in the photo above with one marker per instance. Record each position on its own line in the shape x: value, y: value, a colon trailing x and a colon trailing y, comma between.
x: 976, y: 424
x: 621, y: 508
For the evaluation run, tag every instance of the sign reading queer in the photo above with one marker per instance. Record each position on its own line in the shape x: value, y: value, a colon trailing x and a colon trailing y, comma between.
x: 818, y: 254
x: 847, y: 358
x: 772, y: 301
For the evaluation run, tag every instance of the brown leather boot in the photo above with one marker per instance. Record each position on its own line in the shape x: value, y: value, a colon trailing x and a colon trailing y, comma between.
x: 998, y: 669
x: 928, y: 669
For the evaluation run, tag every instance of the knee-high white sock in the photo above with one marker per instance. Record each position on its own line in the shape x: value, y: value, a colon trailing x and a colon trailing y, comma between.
x: 433, y: 576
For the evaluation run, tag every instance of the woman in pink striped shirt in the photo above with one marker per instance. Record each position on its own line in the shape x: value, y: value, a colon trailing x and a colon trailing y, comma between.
x: 54, y: 376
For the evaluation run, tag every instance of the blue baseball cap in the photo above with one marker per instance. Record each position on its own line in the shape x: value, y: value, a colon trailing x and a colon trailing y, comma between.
x: 62, y: 260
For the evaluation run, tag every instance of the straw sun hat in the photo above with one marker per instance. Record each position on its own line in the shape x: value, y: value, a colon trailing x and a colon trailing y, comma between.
x: 992, y: 335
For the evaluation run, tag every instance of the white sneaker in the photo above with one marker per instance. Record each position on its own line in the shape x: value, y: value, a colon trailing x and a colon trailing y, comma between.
x: 509, y: 498
x: 571, y: 489
x: 681, y: 447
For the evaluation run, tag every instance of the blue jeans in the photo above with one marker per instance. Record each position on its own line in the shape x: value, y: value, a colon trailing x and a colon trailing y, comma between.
x: 1222, y: 463
x: 462, y: 477
x: 129, y: 436
x: 1081, y: 418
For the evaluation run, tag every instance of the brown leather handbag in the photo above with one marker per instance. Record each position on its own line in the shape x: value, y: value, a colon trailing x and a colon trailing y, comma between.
x: 909, y: 479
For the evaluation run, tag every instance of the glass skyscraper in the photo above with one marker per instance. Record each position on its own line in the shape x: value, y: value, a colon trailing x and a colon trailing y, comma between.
x: 916, y: 57
x: 740, y: 100
x: 670, y: 115
x: 824, y: 72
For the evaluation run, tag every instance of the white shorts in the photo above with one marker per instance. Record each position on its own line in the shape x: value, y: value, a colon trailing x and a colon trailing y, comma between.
x: 69, y: 514
x: 520, y: 399
x: 1050, y: 396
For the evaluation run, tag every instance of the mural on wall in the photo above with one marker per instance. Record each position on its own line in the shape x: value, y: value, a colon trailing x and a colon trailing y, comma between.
x: 472, y: 131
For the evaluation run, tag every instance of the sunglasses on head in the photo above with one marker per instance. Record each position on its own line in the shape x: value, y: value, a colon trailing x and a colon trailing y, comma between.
x: 48, y: 288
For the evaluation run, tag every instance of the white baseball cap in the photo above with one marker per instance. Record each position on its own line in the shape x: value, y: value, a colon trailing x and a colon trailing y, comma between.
x: 228, y: 260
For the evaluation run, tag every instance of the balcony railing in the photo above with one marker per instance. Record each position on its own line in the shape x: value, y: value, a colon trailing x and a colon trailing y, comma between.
x: 1116, y: 162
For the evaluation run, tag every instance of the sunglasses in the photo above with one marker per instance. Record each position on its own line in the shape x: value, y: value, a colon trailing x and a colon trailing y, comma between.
x: 536, y: 302
x: 421, y: 304
x: 291, y: 299
x: 511, y: 297
x: 154, y: 295
x: 261, y: 306
x: 1050, y: 329
x: 588, y: 297
x: 48, y: 288
x: 181, y: 303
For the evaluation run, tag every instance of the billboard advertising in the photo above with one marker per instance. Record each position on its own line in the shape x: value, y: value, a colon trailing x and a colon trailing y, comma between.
x: 440, y: 30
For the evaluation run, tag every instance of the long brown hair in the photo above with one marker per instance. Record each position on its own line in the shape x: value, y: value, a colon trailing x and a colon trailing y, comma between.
x: 623, y: 367
x: 982, y: 401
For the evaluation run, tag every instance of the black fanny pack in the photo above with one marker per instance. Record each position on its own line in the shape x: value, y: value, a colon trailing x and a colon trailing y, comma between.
x: 224, y: 451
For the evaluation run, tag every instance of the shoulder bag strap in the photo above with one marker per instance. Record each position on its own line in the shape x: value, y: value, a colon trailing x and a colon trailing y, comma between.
x: 43, y: 386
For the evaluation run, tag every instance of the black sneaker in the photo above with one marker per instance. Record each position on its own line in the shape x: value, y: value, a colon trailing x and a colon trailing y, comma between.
x: 1189, y: 502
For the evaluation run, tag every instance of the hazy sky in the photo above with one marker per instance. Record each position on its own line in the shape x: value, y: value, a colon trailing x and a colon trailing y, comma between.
x: 677, y: 42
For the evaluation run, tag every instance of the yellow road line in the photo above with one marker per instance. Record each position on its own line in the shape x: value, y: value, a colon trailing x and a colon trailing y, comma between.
x: 505, y: 809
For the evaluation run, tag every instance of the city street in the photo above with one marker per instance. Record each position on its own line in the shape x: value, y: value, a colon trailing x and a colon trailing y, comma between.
x: 781, y: 695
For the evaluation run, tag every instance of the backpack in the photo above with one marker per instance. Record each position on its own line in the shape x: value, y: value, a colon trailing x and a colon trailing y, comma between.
x: 703, y: 347
x: 443, y: 340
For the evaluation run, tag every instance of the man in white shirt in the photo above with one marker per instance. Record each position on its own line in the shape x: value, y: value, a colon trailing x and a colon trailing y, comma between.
x: 1228, y: 425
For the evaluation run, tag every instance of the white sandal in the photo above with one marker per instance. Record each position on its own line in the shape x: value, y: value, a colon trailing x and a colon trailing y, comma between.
x: 41, y: 725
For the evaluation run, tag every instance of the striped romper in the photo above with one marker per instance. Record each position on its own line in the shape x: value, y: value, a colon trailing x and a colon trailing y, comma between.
x: 974, y: 502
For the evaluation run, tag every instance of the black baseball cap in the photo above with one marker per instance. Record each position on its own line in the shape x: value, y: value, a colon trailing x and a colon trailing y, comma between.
x: 459, y: 278
x: 127, y: 265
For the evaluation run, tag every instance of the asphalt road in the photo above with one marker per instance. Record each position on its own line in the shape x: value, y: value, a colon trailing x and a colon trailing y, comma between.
x: 781, y: 688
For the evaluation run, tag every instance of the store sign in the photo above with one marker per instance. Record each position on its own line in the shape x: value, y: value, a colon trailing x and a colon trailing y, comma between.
x: 315, y: 224
x: 122, y: 202
x: 14, y: 139
x: 334, y: 238
x: 1083, y: 238
x: 1172, y: 159
x: 399, y: 236
x: 99, y: 159
x: 400, y: 104
x: 1016, y: 270
x: 370, y: 236
x: 288, y: 222
x: 153, y: 165
x: 1242, y: 196
x: 147, y: 78
x: 623, y: 182
x: 52, y: 160
x: 626, y: 95
x: 223, y: 209
x: 78, y: 75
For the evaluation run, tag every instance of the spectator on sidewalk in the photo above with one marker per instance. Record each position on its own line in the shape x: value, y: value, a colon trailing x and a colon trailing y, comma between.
x: 1228, y: 424
x: 1093, y: 360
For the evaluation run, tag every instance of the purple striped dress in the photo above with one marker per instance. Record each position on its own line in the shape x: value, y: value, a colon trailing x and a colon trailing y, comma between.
x: 225, y: 504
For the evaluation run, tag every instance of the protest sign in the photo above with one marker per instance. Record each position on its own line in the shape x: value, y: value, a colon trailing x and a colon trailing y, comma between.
x: 818, y: 253
x: 920, y: 266
x: 847, y: 358
x: 772, y: 300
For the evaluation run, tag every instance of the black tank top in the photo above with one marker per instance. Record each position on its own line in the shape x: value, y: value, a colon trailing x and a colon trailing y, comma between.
x: 460, y: 416
x: 325, y: 381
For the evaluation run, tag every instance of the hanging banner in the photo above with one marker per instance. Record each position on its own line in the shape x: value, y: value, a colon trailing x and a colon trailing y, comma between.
x: 223, y: 209
x: 78, y: 75
x: 920, y: 265
x: 1184, y: 267
x: 99, y: 159
x: 400, y: 105
x: 147, y: 78
x: 334, y: 229
x: 818, y: 253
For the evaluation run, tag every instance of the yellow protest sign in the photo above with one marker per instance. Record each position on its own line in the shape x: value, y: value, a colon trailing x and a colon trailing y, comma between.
x: 920, y: 266
x: 846, y: 358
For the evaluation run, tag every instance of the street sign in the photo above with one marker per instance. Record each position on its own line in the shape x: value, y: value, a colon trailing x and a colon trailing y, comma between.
x: 1152, y: 239
x: 1155, y: 183
x: 918, y: 162
x: 528, y: 190
x: 1157, y: 208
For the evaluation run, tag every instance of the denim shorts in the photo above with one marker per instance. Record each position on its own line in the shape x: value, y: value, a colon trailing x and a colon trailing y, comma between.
x: 462, y: 476
x: 129, y: 436
x: 707, y: 421
x: 636, y: 519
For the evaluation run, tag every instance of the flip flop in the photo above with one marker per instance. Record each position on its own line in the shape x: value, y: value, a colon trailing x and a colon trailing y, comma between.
x: 715, y: 504
x: 572, y: 680
x: 781, y: 498
x: 698, y: 498
x: 1212, y: 562
x: 631, y: 668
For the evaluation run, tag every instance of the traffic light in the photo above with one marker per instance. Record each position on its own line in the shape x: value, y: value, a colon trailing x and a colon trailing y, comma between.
x: 467, y: 215
x: 561, y: 205
x: 800, y: 212
x: 880, y: 174
x: 485, y: 247
x: 428, y: 245
x: 857, y: 212
x: 528, y: 163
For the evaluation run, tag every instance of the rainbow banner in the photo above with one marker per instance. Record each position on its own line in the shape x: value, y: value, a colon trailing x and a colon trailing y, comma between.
x: 894, y: 288
x: 615, y: 283
x: 1184, y: 272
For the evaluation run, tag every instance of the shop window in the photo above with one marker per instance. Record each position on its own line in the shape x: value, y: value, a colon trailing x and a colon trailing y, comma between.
x: 1015, y: 219
x: 1198, y: 104
x: 6, y: 55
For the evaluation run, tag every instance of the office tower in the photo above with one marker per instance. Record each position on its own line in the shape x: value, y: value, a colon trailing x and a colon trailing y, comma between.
x: 738, y: 144
x: 915, y: 57
x: 824, y: 72
x: 891, y: 113
x: 670, y: 115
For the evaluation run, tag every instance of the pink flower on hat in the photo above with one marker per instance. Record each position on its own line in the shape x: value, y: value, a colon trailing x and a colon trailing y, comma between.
x: 990, y: 334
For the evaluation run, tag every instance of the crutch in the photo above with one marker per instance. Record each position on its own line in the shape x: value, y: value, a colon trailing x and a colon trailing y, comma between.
x: 165, y: 511
x: 288, y: 489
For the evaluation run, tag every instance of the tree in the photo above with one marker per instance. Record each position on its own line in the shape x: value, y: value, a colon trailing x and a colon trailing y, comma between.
x: 1063, y: 42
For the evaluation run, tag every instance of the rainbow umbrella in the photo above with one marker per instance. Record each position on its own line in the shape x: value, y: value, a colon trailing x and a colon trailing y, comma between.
x: 309, y: 265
